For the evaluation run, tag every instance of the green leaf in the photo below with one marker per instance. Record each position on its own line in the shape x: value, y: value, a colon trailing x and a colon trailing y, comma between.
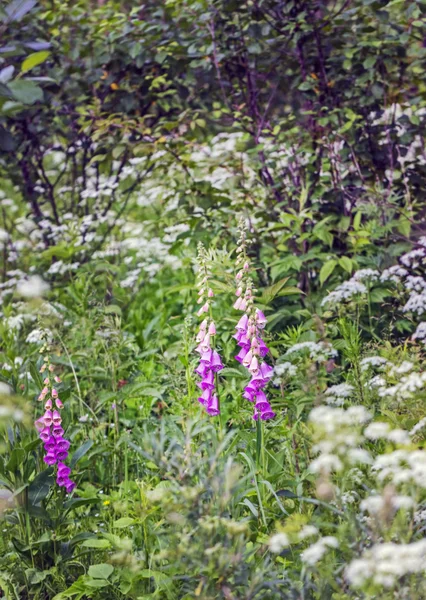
x: 269, y: 293
x: 19, y: 8
x: 34, y: 59
x: 26, y: 91
x: 6, y: 74
x: 123, y: 522
x: 112, y: 309
x: 17, y: 457
x: 101, y: 571
x: 40, y: 487
x: 78, y: 502
x: 80, y: 452
x: 327, y: 269
x: 345, y: 263
x: 7, y: 141
x: 290, y: 291
x: 95, y: 543
x: 35, y: 374
x: 231, y: 372
x: 34, y: 576
x: 96, y: 583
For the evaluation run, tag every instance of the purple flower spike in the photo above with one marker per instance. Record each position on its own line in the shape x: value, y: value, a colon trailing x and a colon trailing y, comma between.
x: 268, y: 414
x: 50, y: 444
x: 206, y: 357
x: 56, y: 418
x: 262, y: 403
x: 50, y: 458
x: 62, y: 444
x: 205, y: 397
x: 57, y: 431
x: 40, y: 424
x: 260, y: 319
x: 242, y: 323
x: 241, y: 355
x: 266, y: 370
x: 47, y: 418
x: 70, y: 486
x: 44, y: 434
x: 216, y: 363
x: 213, y: 406
x: 248, y: 396
x: 263, y: 348
x: 63, y: 470
x: 61, y: 454
x: 208, y: 381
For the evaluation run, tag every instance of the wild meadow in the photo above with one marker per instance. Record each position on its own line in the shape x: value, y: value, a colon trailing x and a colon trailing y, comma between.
x: 212, y: 298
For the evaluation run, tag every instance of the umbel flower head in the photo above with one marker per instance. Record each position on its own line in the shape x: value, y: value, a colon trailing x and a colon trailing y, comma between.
x: 50, y: 431
x: 210, y: 361
x: 249, y: 335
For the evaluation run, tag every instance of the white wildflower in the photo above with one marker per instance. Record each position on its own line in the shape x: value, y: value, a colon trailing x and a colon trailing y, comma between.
x: 33, y: 287
x: 278, y: 542
x: 385, y: 563
x: 315, y: 552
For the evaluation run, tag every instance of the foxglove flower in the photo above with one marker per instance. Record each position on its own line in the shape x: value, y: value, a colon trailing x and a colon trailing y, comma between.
x: 249, y: 336
x: 50, y: 431
x: 210, y: 361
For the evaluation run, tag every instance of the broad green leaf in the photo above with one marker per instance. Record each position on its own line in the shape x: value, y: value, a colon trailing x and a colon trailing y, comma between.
x: 78, y: 502
x: 327, y: 269
x: 17, y: 457
x: 345, y: 263
x: 35, y: 576
x: 33, y: 60
x: 231, y: 372
x: 26, y: 91
x: 19, y: 8
x: 112, y: 309
x: 40, y: 487
x: 35, y: 374
x: 101, y: 571
x: 97, y: 583
x: 95, y: 543
x: 123, y: 522
x: 80, y: 452
x: 269, y: 293
x: 6, y: 74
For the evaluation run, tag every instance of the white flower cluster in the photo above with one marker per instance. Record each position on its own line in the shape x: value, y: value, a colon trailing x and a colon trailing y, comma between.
x: 373, y: 361
x: 338, y: 437
x: 405, y: 388
x: 316, y: 551
x: 402, y: 466
x: 337, y: 394
x: 384, y: 564
x: 344, y: 292
x: 375, y: 505
x: 285, y: 369
x: 366, y: 275
x: 395, y: 274
x: 420, y: 333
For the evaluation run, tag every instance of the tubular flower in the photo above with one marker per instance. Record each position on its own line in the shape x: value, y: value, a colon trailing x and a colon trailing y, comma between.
x: 249, y: 335
x: 210, y: 361
x: 50, y: 431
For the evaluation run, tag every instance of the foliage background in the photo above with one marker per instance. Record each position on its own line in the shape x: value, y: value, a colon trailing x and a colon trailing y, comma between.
x: 127, y: 135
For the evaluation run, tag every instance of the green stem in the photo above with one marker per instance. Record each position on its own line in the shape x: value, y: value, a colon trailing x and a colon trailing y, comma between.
x: 258, y: 442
